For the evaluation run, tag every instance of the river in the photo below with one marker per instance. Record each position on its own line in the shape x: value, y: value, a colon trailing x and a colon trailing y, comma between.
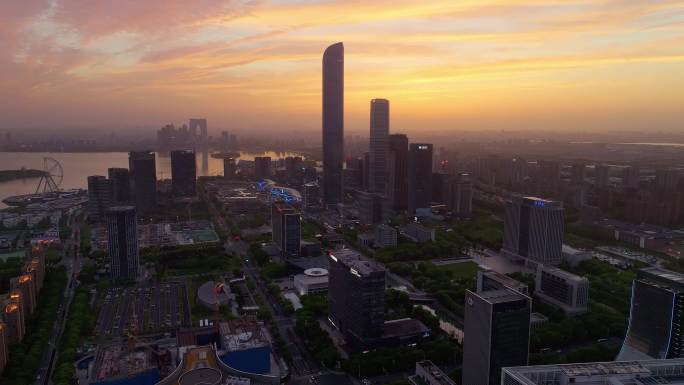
x: 78, y: 166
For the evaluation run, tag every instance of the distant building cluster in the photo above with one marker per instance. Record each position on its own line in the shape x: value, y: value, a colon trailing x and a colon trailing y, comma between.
x: 164, y: 234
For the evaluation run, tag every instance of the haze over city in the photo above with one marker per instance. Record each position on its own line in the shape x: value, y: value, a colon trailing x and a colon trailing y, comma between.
x: 341, y: 192
x: 447, y: 66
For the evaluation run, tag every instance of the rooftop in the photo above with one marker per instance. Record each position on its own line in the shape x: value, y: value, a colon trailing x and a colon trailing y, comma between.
x: 599, y: 373
x: 403, y: 327
x: 563, y: 274
x: 500, y: 296
x: 354, y: 260
x: 663, y: 274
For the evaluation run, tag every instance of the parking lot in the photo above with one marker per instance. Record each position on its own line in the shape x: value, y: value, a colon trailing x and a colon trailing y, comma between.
x: 140, y: 310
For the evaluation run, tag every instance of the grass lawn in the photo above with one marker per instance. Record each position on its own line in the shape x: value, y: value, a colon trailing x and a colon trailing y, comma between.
x: 461, y: 270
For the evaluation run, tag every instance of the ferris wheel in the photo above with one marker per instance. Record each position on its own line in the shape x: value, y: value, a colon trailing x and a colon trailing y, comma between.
x: 52, y: 176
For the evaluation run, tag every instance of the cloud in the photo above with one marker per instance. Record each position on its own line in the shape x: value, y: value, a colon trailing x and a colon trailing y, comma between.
x: 62, y: 55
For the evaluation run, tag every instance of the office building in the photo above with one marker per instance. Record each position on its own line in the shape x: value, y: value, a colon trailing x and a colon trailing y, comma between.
x: 385, y: 236
x: 563, y: 290
x: 286, y: 229
x: 533, y: 230
x: 439, y: 184
x: 490, y: 280
x: 312, y: 197
x: 183, y: 173
x: 577, y: 173
x: 459, y: 196
x: 370, y: 207
x: 418, y: 233
x: 120, y: 181
x: 654, y: 372
x: 143, y: 170
x: 356, y: 297
x: 397, y: 178
x: 262, y: 167
x: 379, y: 147
x: 657, y: 310
x: 419, y: 177
x: 601, y: 175
x: 122, y: 242
x: 496, y: 334
x: 99, y: 193
x: 427, y: 373
x: 630, y: 177
x: 3, y: 347
x: 229, y: 168
x: 333, y: 123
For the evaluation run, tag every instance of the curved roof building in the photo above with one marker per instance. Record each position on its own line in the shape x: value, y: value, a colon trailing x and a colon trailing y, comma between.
x: 333, y: 123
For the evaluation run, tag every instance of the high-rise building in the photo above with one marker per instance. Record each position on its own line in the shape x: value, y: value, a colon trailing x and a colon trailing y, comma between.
x: 533, y: 230
x: 29, y: 294
x: 397, y: 188
x: 439, y: 184
x: 14, y: 317
x: 183, y: 172
x: 99, y: 197
x: 229, y: 168
x: 577, y: 173
x: 143, y: 170
x: 286, y: 229
x: 459, y: 196
x: 630, y: 177
x: 370, y: 207
x: 3, y: 347
x: 598, y: 373
x: 356, y: 297
x: 262, y: 167
x: 333, y: 123
x: 496, y: 334
x: 379, y: 132
x: 656, y: 316
x: 602, y: 175
x: 122, y: 237
x: 666, y: 180
x: 201, y: 124
x: 312, y: 197
x: 563, y: 290
x: 419, y: 177
x: 120, y: 181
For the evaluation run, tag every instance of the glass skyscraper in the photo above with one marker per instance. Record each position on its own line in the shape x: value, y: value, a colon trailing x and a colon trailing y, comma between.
x: 655, y: 320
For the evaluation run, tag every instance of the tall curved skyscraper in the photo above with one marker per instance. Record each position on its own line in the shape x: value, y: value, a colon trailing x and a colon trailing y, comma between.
x: 333, y: 123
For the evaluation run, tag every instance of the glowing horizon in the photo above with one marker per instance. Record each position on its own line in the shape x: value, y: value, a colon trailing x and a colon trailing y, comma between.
x: 444, y: 65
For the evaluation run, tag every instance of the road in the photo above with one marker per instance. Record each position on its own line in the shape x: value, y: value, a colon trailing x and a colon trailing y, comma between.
x: 302, y: 362
x: 71, y: 260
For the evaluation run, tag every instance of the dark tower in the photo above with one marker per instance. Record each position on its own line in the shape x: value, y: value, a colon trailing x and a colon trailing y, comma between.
x: 333, y: 123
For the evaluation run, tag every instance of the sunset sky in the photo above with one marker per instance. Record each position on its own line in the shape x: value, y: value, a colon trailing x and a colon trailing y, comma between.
x: 444, y: 65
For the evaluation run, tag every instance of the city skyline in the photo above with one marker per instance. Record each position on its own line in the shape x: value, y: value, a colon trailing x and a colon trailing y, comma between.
x: 445, y: 66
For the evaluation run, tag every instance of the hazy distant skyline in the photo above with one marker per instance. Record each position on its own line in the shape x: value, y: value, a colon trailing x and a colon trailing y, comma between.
x: 255, y: 65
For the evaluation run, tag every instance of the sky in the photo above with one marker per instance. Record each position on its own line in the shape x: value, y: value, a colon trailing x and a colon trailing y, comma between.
x: 445, y: 66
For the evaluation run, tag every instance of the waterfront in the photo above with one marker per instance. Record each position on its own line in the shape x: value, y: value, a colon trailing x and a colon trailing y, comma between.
x: 78, y: 166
